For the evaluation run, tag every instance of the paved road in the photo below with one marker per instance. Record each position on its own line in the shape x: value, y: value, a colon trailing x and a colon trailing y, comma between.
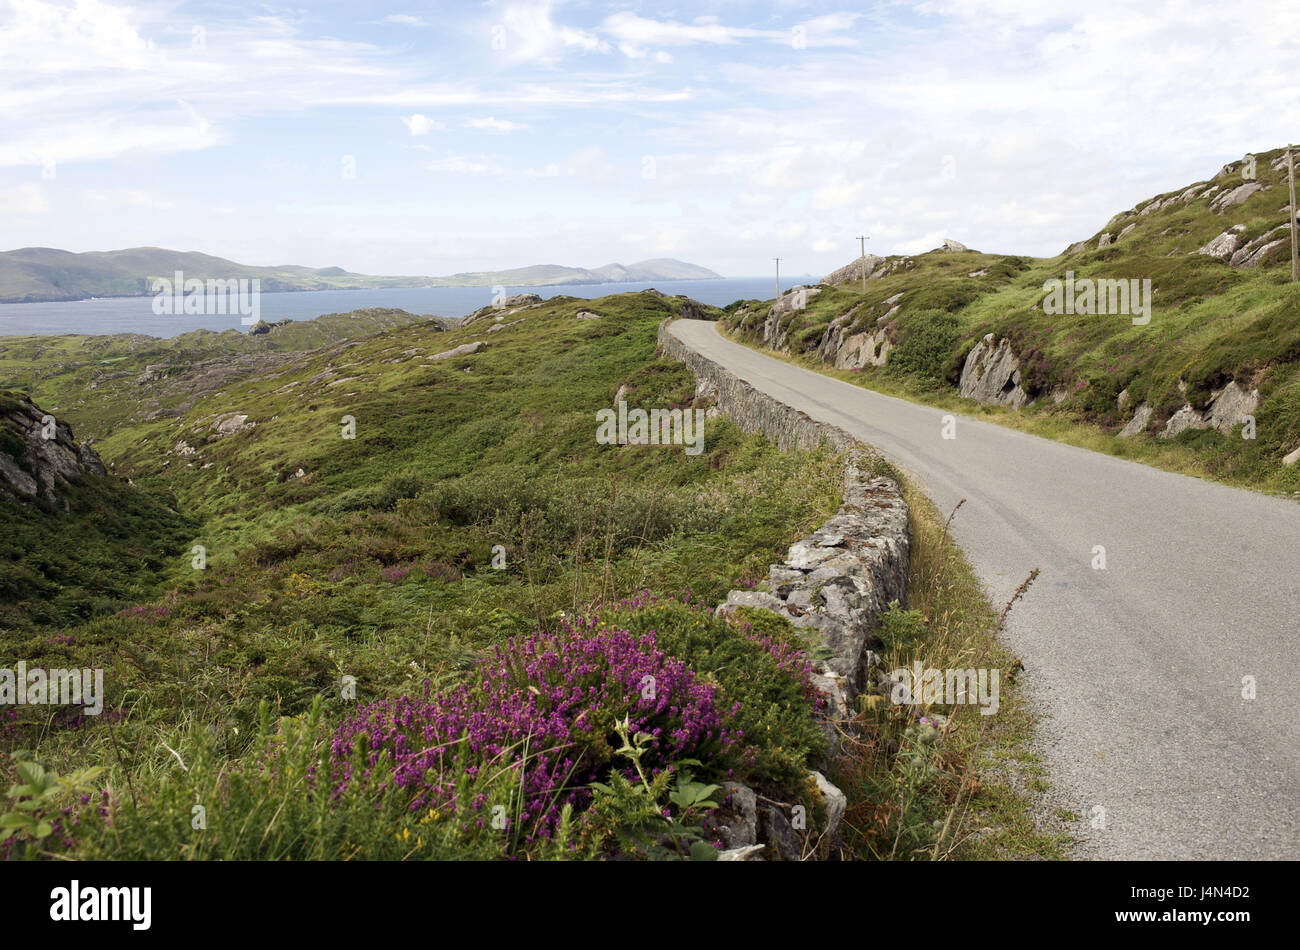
x: 1136, y: 670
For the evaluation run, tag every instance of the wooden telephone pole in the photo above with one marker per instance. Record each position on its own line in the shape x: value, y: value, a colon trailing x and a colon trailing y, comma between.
x: 862, y: 243
x: 778, y: 279
x: 1290, y: 174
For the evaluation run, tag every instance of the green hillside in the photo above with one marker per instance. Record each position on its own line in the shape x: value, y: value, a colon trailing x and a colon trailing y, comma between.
x: 1211, y: 323
x: 472, y: 518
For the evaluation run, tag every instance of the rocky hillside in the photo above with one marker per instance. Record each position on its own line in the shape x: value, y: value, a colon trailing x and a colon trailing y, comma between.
x: 38, y: 454
x: 1181, y: 325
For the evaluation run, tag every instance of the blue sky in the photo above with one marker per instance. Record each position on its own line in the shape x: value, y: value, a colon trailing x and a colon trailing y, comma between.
x: 438, y: 137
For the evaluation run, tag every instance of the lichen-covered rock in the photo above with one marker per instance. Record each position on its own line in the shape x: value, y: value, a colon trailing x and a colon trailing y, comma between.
x: 991, y: 375
x: 1254, y: 252
x: 465, y: 349
x: 1236, y: 196
x: 1141, y: 416
x: 736, y: 821
x: 1226, y: 410
x: 1225, y: 244
x: 38, y: 454
x: 1230, y: 406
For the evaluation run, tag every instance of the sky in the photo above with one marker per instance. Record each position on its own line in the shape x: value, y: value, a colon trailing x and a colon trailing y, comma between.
x: 431, y: 138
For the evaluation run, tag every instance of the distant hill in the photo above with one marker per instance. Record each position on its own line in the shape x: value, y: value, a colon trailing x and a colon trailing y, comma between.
x: 34, y: 274
x: 662, y: 268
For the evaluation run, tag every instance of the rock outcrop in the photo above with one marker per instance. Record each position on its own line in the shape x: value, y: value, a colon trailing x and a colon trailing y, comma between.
x: 38, y: 454
x: 502, y: 308
x: 465, y: 349
x: 1225, y: 244
x: 847, y: 350
x: 1226, y: 410
x: 874, y: 267
x: 991, y: 375
x: 1254, y: 252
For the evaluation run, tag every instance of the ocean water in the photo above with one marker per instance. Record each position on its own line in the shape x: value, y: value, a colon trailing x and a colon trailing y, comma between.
x: 135, y: 314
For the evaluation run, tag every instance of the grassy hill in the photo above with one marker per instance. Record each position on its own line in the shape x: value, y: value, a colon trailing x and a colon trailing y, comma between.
x: 469, y: 539
x: 1212, y: 323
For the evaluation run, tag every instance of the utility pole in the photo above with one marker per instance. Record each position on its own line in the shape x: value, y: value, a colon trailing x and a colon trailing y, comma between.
x: 778, y: 279
x: 862, y: 243
x: 1290, y: 174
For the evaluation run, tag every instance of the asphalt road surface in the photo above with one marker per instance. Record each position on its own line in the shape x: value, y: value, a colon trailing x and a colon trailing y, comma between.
x: 1136, y: 671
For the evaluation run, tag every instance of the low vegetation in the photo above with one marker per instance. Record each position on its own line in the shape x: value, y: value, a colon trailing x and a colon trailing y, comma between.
x: 359, y: 603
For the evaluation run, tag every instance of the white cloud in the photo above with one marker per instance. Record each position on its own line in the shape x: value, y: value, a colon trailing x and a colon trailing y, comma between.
x: 639, y: 31
x: 493, y: 124
x: 421, y: 124
x: 530, y: 34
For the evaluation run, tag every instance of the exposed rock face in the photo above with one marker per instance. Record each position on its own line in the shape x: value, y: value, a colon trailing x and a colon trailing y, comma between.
x: 1141, y: 416
x: 228, y: 423
x: 1226, y: 410
x: 502, y: 308
x: 1231, y: 404
x: 854, y: 270
x: 1291, y: 457
x: 465, y: 349
x: 1182, y: 420
x: 1223, y: 245
x: 31, y: 463
x: 1236, y: 196
x: 855, y: 350
x: 950, y: 245
x: 1254, y: 252
x: 991, y: 375
x: 775, y: 328
x: 1103, y: 241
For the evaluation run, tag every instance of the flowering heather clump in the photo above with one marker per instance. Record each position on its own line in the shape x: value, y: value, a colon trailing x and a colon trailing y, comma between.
x: 543, y: 707
x: 395, y: 573
x: 440, y: 570
x: 346, y: 569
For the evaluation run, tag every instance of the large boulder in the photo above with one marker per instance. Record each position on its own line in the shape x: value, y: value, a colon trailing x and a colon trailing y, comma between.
x: 1225, y: 244
x: 991, y: 375
x: 465, y: 349
x: 1238, y: 195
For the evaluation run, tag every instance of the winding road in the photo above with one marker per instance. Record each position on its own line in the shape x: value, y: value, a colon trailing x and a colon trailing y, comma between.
x: 1136, y: 671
